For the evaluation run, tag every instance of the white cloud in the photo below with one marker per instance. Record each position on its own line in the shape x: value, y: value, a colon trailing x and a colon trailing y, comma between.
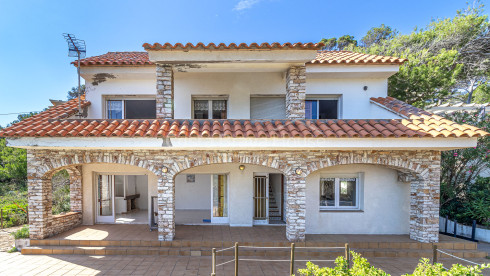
x: 245, y: 4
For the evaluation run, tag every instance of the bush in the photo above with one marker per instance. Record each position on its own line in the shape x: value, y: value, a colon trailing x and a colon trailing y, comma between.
x: 426, y: 268
x: 61, y: 192
x: 360, y: 266
x: 13, y: 205
x: 22, y: 233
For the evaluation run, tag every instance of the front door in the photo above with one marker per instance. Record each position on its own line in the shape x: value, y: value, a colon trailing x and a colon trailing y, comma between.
x: 104, y: 208
x: 260, y: 197
x: 219, y: 196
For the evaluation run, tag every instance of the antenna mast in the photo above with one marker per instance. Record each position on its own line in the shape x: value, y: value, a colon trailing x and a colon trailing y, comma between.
x: 76, y: 48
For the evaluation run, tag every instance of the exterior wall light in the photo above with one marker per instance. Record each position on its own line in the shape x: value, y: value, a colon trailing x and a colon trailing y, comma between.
x: 241, y: 167
x: 298, y: 171
x: 164, y: 169
x: 365, y: 88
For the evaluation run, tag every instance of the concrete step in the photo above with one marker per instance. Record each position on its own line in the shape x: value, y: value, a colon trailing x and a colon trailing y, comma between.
x: 224, y: 244
x: 196, y: 251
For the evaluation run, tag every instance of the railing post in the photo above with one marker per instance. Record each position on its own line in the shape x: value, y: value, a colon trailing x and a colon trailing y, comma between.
x: 473, y: 230
x: 1, y: 215
x: 445, y: 225
x: 434, y: 253
x: 347, y: 255
x: 236, y: 259
x: 455, y: 225
x: 213, y: 262
x: 291, y: 268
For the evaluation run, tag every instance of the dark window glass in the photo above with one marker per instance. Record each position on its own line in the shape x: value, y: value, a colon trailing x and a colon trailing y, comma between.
x: 219, y: 109
x: 328, y: 109
x: 201, y: 109
x: 140, y: 109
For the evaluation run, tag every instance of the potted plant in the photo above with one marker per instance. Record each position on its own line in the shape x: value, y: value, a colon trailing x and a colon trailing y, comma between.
x: 21, y: 237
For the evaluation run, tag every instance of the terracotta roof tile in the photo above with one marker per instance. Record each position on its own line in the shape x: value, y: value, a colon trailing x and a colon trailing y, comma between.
x: 232, y: 46
x: 116, y: 59
x: 347, y: 57
x: 323, y: 57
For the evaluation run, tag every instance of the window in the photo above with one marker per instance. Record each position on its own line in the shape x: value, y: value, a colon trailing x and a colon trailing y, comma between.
x: 210, y: 109
x: 131, y: 108
x: 339, y: 193
x: 267, y: 107
x: 322, y: 108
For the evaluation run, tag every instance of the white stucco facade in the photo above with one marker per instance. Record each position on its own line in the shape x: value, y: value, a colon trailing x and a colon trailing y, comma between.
x: 237, y: 84
x: 385, y: 203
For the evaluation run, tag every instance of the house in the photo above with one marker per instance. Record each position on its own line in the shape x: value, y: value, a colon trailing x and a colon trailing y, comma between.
x: 241, y: 135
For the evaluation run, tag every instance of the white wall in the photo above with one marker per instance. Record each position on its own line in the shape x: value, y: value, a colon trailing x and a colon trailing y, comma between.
x: 240, y: 189
x: 195, y: 195
x: 238, y: 86
x: 386, y: 207
x: 142, y: 188
x: 88, y: 185
x: 355, y: 101
x: 95, y: 93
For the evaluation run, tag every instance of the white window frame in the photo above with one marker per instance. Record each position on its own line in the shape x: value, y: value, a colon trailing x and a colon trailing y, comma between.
x: 337, y: 207
x: 326, y: 98
x: 210, y: 100
x: 123, y: 98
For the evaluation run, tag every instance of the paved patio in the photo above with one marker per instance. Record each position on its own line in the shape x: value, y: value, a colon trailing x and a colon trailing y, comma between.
x: 112, y: 232
x: 16, y: 264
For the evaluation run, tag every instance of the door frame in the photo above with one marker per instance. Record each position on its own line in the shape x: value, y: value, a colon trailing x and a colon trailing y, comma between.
x: 266, y: 220
x: 104, y: 219
x: 221, y: 220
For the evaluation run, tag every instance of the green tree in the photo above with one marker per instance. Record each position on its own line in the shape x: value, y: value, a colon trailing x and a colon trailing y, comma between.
x: 378, y: 34
x: 334, y: 44
x: 446, y: 59
x: 73, y: 92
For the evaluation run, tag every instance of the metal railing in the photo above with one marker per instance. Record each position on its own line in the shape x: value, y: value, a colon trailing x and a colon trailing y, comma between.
x: 292, y: 260
x: 435, y: 259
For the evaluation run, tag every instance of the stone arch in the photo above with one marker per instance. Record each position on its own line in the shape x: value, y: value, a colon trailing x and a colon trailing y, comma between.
x: 406, y: 168
x: 421, y: 169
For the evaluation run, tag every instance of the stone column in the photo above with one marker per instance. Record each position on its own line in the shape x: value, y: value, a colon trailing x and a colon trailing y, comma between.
x: 165, y: 92
x: 424, y: 208
x: 295, y: 206
x: 76, y: 195
x: 40, y: 208
x: 166, y: 208
x: 295, y: 92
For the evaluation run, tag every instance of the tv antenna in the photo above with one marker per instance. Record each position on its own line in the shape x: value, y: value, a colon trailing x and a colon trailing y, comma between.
x: 76, y: 48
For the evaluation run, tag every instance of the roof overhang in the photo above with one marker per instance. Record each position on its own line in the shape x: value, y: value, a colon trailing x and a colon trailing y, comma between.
x: 231, y: 56
x: 291, y: 144
x: 345, y: 71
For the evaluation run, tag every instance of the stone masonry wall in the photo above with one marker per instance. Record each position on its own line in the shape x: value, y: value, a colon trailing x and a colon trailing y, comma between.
x: 421, y: 167
x: 165, y: 92
x: 295, y: 92
x: 65, y: 222
x: 42, y: 223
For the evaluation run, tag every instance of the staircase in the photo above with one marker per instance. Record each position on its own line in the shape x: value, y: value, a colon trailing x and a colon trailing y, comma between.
x: 274, y: 211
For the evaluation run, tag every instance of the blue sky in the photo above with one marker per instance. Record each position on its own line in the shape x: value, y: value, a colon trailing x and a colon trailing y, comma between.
x: 34, y: 65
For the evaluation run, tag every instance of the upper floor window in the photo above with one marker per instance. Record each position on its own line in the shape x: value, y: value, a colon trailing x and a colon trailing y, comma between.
x: 340, y: 193
x: 131, y: 108
x: 210, y: 108
x: 322, y: 108
x: 267, y: 107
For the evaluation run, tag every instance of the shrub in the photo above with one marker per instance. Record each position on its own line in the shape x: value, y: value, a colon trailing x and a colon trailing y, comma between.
x: 12, y: 250
x: 22, y: 233
x: 426, y: 268
x: 360, y: 266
